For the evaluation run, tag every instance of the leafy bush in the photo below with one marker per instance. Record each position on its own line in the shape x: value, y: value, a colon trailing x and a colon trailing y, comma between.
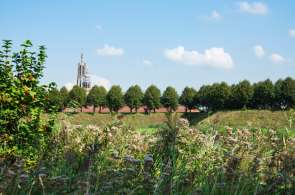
x: 22, y: 101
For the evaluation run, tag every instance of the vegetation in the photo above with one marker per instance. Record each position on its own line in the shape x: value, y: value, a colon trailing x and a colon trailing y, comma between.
x: 169, y: 99
x: 152, y: 97
x: 78, y: 96
x: 215, y: 97
x: 133, y: 97
x: 97, y: 97
x: 175, y: 159
x: 241, y: 95
x: 22, y: 101
x: 114, y: 98
x: 188, y: 97
x: 55, y: 99
x: 64, y: 94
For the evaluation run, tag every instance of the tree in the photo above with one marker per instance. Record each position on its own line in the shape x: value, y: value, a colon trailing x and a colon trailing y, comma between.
x: 55, y: 99
x: 202, y: 97
x: 214, y: 97
x: 97, y: 97
x: 169, y: 99
x: 114, y: 98
x: 285, y: 93
x: 264, y: 94
x: 64, y: 97
x: 219, y: 96
x: 187, y: 98
x: 152, y: 97
x: 78, y: 95
x: 279, y: 101
x: 241, y: 94
x: 133, y: 97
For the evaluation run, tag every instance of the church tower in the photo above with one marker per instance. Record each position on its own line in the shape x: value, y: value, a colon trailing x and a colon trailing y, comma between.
x: 83, y: 78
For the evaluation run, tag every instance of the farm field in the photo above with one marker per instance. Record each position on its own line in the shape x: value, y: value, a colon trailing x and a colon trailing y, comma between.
x: 238, y: 119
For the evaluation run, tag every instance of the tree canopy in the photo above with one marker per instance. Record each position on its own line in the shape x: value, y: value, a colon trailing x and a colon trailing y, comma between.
x: 97, y: 97
x: 115, y: 98
x: 169, y: 99
x: 78, y: 96
x: 152, y: 98
x: 133, y: 97
x: 187, y: 98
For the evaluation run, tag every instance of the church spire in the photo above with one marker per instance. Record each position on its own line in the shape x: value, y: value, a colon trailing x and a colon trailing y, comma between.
x: 82, y: 58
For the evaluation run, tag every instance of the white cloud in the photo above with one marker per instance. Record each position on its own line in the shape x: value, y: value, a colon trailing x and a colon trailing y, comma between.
x: 110, y: 51
x: 259, y: 51
x: 277, y: 58
x: 147, y: 62
x: 253, y: 8
x: 292, y: 33
x: 215, y: 15
x: 213, y: 57
x: 100, y: 81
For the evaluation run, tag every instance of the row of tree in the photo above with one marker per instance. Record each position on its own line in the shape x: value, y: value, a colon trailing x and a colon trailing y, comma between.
x: 218, y: 96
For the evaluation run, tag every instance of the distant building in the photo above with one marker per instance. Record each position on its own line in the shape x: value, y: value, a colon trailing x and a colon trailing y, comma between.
x: 83, y: 78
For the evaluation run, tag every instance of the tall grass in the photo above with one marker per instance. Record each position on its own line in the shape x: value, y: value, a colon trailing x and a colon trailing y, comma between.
x: 176, y: 158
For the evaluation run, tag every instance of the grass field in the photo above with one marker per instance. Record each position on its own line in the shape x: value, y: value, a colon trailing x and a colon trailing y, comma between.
x: 238, y: 119
x: 138, y: 154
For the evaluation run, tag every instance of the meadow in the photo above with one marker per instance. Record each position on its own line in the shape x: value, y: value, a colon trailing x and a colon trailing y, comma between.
x: 162, y: 154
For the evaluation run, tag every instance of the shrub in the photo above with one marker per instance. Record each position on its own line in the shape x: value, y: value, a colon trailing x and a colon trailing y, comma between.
x: 22, y: 101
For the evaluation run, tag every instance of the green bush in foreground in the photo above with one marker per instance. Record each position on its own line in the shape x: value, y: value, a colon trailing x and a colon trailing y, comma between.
x: 22, y: 101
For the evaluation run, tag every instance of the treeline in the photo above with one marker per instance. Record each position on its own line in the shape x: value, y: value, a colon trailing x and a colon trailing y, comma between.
x: 218, y: 96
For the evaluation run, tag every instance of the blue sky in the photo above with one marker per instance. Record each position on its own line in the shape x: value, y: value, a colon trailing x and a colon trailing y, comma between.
x: 177, y: 43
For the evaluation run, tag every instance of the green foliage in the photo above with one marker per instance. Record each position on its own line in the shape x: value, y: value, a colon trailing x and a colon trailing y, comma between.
x: 22, y: 101
x: 133, y: 97
x: 285, y: 93
x: 187, y: 98
x: 152, y: 97
x: 215, y: 97
x: 97, y: 97
x: 264, y: 94
x: 114, y: 98
x: 55, y: 99
x: 169, y: 99
x: 202, y: 97
x: 64, y: 97
x: 241, y: 94
x: 78, y: 95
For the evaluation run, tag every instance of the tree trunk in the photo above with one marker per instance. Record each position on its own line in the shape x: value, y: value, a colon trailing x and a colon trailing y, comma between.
x: 93, y: 109
x: 136, y: 110
x: 185, y: 109
x: 130, y: 110
x: 154, y: 110
x: 99, y: 109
